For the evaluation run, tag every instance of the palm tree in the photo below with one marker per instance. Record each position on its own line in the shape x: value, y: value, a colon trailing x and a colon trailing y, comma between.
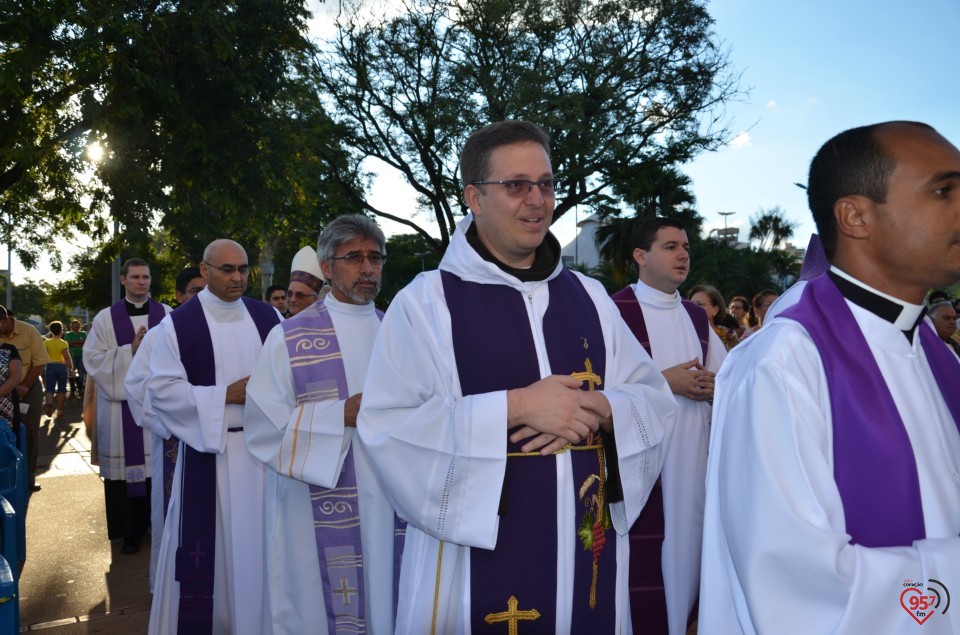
x: 771, y: 227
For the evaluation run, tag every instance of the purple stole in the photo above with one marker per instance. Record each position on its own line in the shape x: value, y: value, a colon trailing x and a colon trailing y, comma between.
x: 319, y: 375
x: 198, y: 485
x: 874, y: 465
x: 495, y: 350
x: 648, y: 600
x: 134, y: 457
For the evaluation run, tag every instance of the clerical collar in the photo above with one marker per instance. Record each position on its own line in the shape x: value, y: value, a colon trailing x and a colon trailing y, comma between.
x: 544, y: 263
x: 903, y: 315
x: 137, y: 308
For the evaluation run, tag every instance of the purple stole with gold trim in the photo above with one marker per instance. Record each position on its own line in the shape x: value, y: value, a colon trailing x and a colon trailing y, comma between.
x: 134, y: 455
x: 874, y: 465
x: 319, y: 375
x: 195, y: 557
x: 648, y: 600
x: 495, y: 350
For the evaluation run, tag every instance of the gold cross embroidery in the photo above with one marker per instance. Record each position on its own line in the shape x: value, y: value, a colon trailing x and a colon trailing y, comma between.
x: 588, y: 375
x: 511, y: 616
x: 345, y: 591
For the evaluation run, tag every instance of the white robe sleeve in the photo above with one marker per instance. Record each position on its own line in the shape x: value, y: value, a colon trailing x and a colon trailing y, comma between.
x: 194, y: 414
x: 135, y: 387
x: 103, y: 360
x: 776, y: 556
x: 307, y: 442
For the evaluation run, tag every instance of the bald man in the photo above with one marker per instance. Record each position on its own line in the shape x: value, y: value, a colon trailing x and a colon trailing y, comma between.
x: 210, y: 570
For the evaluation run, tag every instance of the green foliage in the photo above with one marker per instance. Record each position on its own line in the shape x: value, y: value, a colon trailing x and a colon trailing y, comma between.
x: 407, y: 256
x: 771, y: 227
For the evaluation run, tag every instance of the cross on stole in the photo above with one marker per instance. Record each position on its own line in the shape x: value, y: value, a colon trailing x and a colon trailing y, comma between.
x: 587, y: 375
x: 511, y: 616
x: 345, y: 590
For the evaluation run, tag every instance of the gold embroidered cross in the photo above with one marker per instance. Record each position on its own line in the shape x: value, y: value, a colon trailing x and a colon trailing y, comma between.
x: 345, y: 591
x: 511, y: 616
x: 588, y: 375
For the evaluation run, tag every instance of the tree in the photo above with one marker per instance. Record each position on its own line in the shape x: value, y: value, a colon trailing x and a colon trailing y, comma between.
x: 770, y: 228
x: 617, y: 83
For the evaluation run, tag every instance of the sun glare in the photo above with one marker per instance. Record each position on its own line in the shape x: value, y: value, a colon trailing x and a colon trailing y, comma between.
x: 95, y: 151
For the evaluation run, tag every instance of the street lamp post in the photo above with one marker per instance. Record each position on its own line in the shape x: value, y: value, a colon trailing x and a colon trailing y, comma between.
x: 726, y: 238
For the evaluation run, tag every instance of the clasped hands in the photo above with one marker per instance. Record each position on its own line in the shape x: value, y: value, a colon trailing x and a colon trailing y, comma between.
x: 691, y: 380
x: 554, y: 412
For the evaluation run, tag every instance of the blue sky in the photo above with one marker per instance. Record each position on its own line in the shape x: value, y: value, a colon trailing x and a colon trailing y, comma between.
x: 814, y: 69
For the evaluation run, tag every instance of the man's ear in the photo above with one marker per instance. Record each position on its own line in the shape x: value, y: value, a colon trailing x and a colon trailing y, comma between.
x: 853, y: 215
x: 471, y: 194
x: 640, y: 257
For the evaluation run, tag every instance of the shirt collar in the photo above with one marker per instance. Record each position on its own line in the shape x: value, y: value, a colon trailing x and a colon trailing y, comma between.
x: 903, y: 315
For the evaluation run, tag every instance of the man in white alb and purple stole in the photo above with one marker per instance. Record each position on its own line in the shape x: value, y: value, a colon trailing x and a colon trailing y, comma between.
x: 833, y: 483
x: 514, y: 420
x: 210, y: 569
x: 332, y: 546
x: 123, y: 447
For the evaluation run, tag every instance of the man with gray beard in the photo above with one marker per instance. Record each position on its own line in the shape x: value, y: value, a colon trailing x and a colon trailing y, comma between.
x: 302, y: 404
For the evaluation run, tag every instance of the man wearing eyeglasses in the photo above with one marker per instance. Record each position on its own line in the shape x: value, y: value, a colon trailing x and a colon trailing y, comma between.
x: 163, y: 446
x: 213, y: 533
x: 306, y: 280
x: 512, y: 417
x: 123, y: 448
x: 328, y: 520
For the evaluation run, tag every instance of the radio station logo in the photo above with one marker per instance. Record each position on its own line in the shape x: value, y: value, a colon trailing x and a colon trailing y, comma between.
x: 922, y: 603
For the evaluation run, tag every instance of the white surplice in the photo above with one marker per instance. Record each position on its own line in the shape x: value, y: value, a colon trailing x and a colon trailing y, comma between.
x: 777, y: 558
x: 674, y: 340
x: 200, y: 418
x: 302, y: 445
x: 442, y: 456
x: 108, y: 364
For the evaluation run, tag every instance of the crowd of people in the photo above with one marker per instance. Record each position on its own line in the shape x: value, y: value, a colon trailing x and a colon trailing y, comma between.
x: 508, y: 449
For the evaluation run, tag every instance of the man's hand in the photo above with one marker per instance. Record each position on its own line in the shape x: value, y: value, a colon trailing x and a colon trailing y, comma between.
x: 351, y: 407
x: 137, y: 339
x: 237, y: 391
x: 690, y: 380
x: 554, y: 407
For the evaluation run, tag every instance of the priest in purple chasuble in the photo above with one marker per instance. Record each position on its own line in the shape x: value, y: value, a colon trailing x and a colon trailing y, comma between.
x: 330, y: 528
x: 514, y: 420
x: 163, y: 446
x: 665, y: 540
x: 124, y: 448
x: 210, y: 573
x: 833, y: 480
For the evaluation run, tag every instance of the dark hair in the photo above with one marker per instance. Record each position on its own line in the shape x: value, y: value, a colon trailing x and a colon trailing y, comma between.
x: 475, y: 156
x: 752, y: 318
x: 4, y: 313
x: 646, y: 232
x: 184, y: 277
x: 853, y: 162
x: 55, y: 327
x: 716, y: 297
x: 271, y: 289
x: 936, y: 296
x: 133, y: 262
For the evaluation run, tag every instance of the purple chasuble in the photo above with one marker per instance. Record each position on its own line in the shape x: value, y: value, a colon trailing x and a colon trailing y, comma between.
x: 198, y: 484
x: 495, y: 350
x: 874, y: 465
x: 134, y: 456
x: 319, y: 375
x: 648, y: 600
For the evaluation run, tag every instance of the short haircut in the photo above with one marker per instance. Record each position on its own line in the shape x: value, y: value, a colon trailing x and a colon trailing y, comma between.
x: 55, y: 327
x: 475, y: 156
x: 853, y: 163
x: 344, y: 229
x: 936, y: 306
x: 271, y: 289
x: 184, y: 277
x: 646, y: 232
x: 133, y: 262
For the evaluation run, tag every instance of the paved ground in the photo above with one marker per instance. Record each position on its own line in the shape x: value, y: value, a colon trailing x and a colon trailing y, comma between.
x: 74, y: 580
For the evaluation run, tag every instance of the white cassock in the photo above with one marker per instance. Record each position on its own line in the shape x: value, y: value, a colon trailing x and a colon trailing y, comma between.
x: 442, y: 456
x: 673, y: 340
x: 776, y: 555
x: 108, y: 364
x: 312, y: 438
x: 200, y: 418
x: 135, y: 387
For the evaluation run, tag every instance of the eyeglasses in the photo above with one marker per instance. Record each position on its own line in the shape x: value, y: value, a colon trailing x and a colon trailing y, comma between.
x: 522, y: 187
x: 356, y: 259
x: 230, y: 269
x: 300, y: 295
x: 194, y: 290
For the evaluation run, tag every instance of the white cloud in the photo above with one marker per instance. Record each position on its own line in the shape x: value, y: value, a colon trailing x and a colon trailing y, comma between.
x: 742, y: 140
x: 772, y: 103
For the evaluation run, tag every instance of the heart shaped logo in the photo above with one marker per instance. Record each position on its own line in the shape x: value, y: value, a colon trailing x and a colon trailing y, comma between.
x: 919, y: 604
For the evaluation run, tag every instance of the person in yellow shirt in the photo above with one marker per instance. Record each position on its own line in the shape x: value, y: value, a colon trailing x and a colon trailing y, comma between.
x: 59, y: 368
